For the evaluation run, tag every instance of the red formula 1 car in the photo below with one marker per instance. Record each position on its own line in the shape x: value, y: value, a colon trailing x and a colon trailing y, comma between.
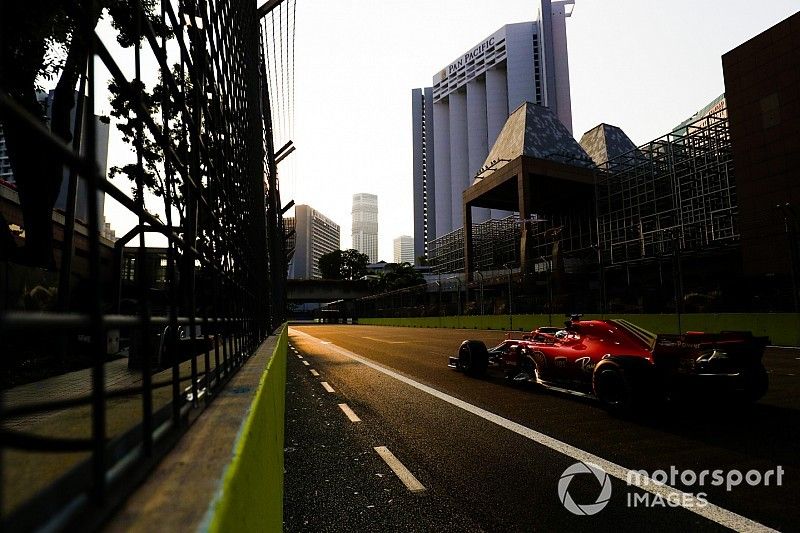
x: 623, y: 365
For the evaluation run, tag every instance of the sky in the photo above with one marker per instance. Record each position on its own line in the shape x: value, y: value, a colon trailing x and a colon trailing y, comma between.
x: 642, y: 65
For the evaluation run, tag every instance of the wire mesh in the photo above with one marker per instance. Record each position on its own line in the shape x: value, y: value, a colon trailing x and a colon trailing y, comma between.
x: 195, y: 108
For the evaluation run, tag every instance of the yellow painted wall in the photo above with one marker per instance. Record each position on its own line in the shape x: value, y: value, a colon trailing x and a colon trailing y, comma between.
x: 782, y: 328
x: 251, y: 497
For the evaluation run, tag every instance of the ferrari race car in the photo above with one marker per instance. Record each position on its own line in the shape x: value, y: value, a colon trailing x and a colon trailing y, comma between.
x: 625, y: 366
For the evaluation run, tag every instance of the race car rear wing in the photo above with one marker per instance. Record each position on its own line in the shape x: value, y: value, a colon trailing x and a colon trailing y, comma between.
x: 739, y: 346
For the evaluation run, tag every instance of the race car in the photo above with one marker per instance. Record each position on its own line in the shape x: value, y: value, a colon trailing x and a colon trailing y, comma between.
x: 623, y: 365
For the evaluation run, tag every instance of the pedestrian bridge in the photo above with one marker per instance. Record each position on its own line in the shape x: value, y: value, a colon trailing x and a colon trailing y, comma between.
x: 325, y: 290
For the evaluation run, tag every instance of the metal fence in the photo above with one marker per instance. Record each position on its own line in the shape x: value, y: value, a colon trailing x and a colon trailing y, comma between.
x: 204, y: 179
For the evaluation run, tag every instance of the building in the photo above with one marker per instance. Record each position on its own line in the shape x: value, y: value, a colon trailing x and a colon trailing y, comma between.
x: 424, y: 182
x: 458, y: 119
x: 762, y: 88
x: 6, y: 174
x: 718, y: 107
x: 315, y: 235
x: 404, y: 249
x: 365, y: 224
x: 102, y: 130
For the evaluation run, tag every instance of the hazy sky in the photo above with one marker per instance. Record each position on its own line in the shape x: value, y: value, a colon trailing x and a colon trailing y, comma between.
x: 642, y: 65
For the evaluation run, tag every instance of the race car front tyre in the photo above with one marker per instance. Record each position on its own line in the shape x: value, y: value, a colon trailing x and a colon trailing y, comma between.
x: 473, y: 358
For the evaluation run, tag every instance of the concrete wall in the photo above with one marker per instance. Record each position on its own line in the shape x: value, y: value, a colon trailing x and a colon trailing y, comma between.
x: 783, y: 329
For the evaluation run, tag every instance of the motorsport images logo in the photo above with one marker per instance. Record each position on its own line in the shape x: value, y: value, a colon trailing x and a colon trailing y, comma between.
x: 585, y: 509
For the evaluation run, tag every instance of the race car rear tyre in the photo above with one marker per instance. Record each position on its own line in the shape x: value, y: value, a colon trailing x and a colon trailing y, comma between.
x: 756, y: 383
x: 473, y: 358
x: 612, y: 387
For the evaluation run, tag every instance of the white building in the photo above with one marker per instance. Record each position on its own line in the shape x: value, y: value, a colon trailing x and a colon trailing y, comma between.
x: 365, y: 224
x: 458, y: 119
x: 404, y: 249
x: 315, y: 235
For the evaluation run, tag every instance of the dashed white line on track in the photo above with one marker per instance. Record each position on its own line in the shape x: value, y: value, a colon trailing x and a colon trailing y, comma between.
x: 405, y: 475
x: 327, y: 387
x: 314, y: 373
x: 349, y: 412
x: 306, y: 363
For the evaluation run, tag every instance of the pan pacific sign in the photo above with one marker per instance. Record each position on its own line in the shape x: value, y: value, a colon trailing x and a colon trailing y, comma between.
x: 471, y: 55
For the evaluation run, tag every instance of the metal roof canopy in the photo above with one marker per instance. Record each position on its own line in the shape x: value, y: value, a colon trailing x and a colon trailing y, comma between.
x: 527, y: 185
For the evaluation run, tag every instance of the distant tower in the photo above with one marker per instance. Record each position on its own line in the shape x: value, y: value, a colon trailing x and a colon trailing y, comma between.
x: 404, y: 249
x: 365, y: 224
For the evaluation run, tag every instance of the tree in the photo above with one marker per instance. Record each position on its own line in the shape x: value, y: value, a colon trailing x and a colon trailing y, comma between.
x: 347, y: 265
x: 330, y: 265
x: 354, y: 264
x: 129, y: 123
x: 398, y: 276
x: 48, y: 40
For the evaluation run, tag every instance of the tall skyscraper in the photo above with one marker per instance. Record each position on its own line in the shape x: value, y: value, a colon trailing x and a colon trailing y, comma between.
x: 365, y: 224
x: 315, y: 235
x: 457, y: 120
x: 424, y: 182
x: 404, y: 249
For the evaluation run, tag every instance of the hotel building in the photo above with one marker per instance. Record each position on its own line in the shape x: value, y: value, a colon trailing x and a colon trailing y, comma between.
x: 458, y: 119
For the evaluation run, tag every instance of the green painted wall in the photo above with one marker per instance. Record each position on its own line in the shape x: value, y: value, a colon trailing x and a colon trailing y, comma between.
x: 252, y: 492
x: 782, y: 328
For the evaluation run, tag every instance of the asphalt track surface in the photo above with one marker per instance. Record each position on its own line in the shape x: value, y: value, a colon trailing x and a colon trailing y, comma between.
x: 490, y: 454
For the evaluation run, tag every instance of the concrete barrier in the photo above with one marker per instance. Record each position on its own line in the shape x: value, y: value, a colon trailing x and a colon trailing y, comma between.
x: 783, y: 329
x: 251, y: 496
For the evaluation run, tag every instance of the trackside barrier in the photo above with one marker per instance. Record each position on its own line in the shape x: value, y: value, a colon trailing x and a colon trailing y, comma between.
x: 782, y: 328
x: 251, y: 496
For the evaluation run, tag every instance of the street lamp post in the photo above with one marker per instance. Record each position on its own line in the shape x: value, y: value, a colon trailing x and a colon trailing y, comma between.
x: 677, y: 273
x: 549, y: 290
x: 458, y: 294
x: 510, y: 300
x: 439, y: 287
x: 602, y: 277
x: 789, y: 230
x: 480, y: 288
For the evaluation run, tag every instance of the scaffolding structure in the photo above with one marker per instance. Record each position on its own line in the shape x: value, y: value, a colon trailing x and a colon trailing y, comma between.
x: 674, y: 194
x: 495, y: 243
